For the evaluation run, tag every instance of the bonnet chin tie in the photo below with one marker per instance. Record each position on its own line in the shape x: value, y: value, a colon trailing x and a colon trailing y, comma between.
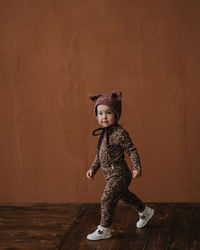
x: 101, y: 135
x: 103, y: 131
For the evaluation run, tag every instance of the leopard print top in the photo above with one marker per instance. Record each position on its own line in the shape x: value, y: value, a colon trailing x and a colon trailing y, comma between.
x: 113, y: 142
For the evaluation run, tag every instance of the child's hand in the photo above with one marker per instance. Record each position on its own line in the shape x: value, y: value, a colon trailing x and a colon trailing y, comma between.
x: 90, y: 174
x: 136, y: 173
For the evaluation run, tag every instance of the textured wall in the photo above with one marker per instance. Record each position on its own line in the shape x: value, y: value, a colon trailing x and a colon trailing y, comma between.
x: 54, y: 53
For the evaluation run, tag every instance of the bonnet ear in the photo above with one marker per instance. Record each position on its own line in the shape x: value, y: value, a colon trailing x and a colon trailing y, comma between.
x: 94, y: 97
x: 116, y: 95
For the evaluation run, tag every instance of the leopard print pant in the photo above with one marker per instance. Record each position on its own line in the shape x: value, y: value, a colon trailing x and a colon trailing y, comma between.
x: 117, y: 189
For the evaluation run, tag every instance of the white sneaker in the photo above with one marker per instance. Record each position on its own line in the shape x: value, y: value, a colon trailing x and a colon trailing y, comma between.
x: 100, y: 233
x: 145, y: 216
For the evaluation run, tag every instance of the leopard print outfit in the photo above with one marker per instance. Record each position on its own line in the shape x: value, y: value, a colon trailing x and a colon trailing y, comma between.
x: 113, y: 142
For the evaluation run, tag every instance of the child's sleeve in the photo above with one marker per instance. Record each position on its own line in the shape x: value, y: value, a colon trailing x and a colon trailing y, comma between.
x: 128, y: 146
x: 95, y: 165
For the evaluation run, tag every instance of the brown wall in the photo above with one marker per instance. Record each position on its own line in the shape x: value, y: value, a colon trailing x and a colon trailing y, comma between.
x: 54, y: 53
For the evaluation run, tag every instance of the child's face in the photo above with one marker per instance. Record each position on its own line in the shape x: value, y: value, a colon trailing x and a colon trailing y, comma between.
x: 105, y: 116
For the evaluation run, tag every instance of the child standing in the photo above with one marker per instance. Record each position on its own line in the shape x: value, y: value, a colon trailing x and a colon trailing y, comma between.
x: 113, y: 142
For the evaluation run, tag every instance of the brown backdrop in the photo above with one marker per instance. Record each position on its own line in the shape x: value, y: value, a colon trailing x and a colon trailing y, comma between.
x: 54, y: 53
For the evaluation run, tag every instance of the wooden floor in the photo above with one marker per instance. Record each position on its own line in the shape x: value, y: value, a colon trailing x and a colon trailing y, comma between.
x: 65, y: 226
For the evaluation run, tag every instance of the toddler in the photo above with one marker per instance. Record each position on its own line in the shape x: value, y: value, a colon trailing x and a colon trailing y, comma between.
x: 113, y: 142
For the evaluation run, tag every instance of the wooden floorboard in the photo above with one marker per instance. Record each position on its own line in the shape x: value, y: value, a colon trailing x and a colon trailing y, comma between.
x: 175, y: 226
